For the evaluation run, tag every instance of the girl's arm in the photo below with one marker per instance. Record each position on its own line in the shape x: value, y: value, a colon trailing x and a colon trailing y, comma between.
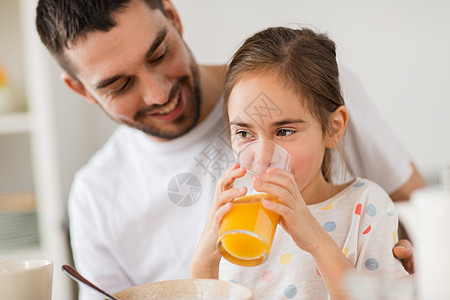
x: 206, y: 259
x: 332, y: 265
x: 302, y: 226
x: 330, y: 261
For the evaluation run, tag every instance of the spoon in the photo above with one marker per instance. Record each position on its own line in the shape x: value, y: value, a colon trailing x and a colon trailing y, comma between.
x: 72, y: 273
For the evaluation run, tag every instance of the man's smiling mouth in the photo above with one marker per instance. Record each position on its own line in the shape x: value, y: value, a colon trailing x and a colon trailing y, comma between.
x: 171, y: 110
x: 169, y: 107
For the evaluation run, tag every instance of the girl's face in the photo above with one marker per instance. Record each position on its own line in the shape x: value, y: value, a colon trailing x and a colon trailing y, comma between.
x: 261, y: 108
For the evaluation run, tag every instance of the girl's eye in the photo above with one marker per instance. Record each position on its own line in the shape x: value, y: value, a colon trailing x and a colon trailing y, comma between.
x: 285, y: 132
x: 242, y: 133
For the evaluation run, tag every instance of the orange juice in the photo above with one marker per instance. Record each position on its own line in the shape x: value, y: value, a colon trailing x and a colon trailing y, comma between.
x: 247, y: 231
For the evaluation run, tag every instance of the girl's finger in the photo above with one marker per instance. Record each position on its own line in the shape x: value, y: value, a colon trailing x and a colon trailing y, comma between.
x: 230, y: 195
x: 277, y: 185
x: 281, y: 177
x: 278, y: 208
x: 277, y: 190
x: 220, y: 213
x: 224, y: 198
x: 227, y: 180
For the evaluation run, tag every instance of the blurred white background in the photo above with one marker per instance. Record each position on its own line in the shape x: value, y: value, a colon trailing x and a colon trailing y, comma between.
x: 399, y: 49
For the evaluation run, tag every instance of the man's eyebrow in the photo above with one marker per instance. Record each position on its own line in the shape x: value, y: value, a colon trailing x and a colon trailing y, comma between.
x: 158, y: 40
x: 105, y: 82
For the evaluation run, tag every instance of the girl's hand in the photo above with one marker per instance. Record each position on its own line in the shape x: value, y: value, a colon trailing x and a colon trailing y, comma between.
x: 306, y: 232
x: 295, y: 217
x: 206, y: 259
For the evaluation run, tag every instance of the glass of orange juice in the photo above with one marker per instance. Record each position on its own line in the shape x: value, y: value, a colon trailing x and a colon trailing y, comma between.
x: 247, y: 231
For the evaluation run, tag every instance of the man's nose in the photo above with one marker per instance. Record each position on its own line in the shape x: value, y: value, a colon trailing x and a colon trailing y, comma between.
x: 155, y: 89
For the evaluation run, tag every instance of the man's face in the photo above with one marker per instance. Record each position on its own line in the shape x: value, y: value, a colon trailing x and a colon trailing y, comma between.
x: 141, y: 72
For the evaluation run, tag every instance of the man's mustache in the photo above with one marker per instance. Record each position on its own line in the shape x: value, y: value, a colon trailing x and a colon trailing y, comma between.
x: 155, y: 107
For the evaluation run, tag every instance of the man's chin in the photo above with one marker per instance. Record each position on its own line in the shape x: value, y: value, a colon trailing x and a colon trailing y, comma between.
x: 166, y: 133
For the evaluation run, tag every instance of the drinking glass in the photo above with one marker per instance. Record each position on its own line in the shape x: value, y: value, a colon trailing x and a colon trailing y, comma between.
x: 247, y: 231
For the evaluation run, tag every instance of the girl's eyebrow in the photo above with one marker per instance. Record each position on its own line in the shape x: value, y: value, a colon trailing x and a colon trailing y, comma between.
x: 274, y: 124
x: 240, y: 124
x: 288, y: 121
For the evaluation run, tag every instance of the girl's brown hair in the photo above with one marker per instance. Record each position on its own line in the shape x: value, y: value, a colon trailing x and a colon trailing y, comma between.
x: 303, y: 60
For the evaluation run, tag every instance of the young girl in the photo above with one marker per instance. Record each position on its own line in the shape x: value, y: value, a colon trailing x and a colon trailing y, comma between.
x: 283, y: 85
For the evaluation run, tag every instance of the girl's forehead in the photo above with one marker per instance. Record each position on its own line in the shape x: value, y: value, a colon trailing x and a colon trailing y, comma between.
x: 264, y: 86
x: 261, y: 99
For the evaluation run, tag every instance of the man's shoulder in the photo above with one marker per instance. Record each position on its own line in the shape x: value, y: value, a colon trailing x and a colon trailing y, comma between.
x: 114, y: 155
x: 107, y: 170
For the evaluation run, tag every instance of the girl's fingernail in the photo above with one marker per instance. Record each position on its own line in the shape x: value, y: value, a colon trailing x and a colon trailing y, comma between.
x: 266, y: 202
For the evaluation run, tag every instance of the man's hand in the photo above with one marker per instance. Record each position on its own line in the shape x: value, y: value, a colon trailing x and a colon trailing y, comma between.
x: 405, y: 251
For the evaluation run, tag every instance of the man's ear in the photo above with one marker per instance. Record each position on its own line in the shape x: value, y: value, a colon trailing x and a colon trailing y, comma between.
x: 173, y: 15
x: 337, y: 126
x: 77, y: 87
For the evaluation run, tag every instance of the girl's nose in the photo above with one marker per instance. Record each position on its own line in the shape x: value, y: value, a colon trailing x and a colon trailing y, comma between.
x: 269, y: 155
x: 263, y: 153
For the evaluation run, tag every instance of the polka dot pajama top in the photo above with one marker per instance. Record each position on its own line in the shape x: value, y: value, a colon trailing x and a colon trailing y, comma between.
x: 363, y: 222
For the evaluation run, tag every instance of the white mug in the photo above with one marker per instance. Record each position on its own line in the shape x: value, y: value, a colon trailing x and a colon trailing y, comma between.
x: 427, y: 222
x: 26, y: 279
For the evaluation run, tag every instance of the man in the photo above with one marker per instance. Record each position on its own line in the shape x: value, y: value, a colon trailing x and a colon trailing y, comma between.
x: 138, y: 207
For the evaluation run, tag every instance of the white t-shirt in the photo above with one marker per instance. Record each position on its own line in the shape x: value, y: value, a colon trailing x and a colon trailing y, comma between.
x: 371, y: 148
x: 361, y: 219
x: 138, y: 207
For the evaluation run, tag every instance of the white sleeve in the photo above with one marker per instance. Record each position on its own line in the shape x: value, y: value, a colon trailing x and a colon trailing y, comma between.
x: 89, y: 245
x: 372, y: 151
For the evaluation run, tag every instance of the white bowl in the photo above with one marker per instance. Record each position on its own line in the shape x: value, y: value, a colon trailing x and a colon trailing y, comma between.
x: 187, y: 289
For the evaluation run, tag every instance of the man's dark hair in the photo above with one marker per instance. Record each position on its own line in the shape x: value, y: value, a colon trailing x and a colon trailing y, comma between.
x: 60, y: 22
